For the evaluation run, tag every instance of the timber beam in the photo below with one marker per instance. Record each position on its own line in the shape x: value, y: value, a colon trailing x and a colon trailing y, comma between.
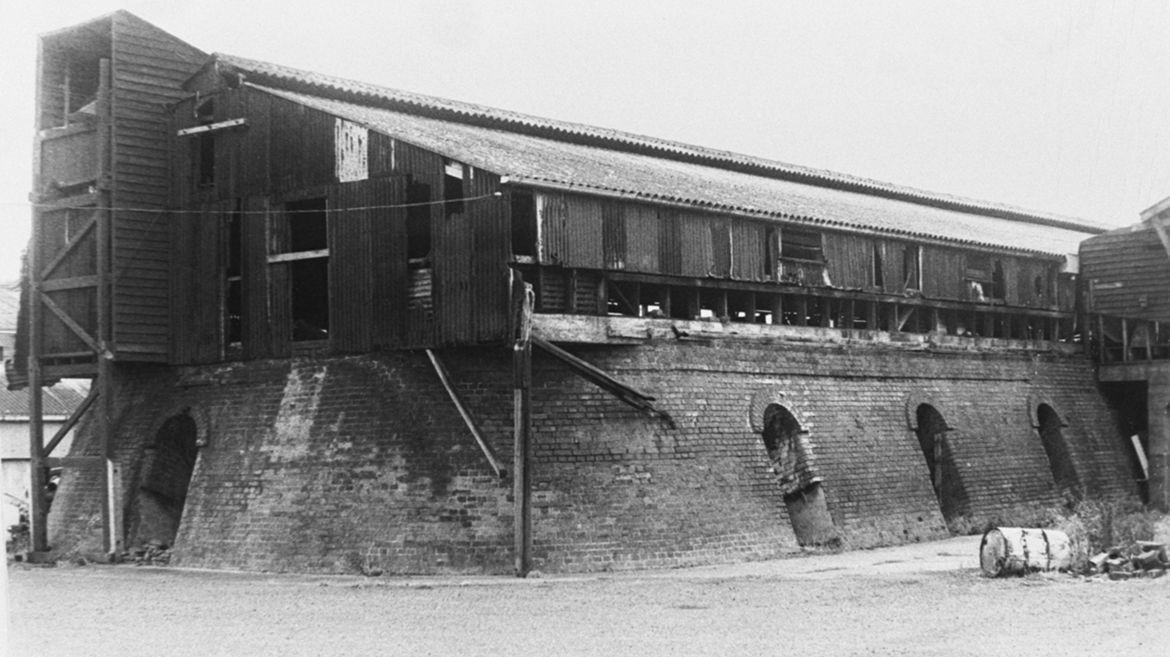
x: 601, y: 379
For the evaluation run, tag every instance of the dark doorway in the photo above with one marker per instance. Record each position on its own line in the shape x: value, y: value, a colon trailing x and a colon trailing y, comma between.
x: 167, y: 470
x: 791, y: 455
x: 1063, y: 471
x: 1130, y: 401
x: 944, y: 476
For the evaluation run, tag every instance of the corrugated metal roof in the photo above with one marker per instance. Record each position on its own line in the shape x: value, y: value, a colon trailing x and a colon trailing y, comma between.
x: 58, y: 400
x: 540, y: 161
x: 9, y: 306
x: 336, y: 88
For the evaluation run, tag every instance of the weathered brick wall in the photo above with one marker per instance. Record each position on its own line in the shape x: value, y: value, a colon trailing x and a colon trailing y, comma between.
x: 334, y: 464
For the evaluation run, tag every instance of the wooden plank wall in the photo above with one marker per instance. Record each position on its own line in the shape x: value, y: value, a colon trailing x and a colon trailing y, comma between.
x: 197, y: 285
x: 148, y: 69
x: 1129, y: 272
x: 287, y: 153
x: 584, y: 232
x: 57, y: 228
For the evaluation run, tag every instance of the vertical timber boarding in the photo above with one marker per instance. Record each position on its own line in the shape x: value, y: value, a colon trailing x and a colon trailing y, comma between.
x: 98, y: 268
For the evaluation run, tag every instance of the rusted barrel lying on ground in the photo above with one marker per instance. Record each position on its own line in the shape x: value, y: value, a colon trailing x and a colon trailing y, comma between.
x: 1016, y: 550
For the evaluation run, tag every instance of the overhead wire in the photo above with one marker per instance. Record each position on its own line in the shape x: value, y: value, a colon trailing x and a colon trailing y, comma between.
x: 163, y: 211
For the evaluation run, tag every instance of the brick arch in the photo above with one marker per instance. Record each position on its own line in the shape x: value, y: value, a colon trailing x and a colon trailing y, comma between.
x: 765, y: 397
x: 1035, y: 400
x: 199, y: 415
x: 916, y: 398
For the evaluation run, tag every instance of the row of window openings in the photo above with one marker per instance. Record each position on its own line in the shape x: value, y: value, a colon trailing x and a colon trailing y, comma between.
x: 680, y: 302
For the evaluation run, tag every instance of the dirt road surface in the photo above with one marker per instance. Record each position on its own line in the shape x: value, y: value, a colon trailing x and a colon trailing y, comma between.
x: 927, y: 599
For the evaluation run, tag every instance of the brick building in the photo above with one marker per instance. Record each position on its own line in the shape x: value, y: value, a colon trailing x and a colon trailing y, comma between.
x: 335, y: 326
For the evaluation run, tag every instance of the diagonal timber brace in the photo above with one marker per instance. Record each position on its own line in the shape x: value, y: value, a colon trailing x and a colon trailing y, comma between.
x: 604, y: 381
x: 488, y: 452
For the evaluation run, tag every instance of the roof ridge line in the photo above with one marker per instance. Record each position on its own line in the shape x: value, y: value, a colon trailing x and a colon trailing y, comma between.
x: 348, y: 90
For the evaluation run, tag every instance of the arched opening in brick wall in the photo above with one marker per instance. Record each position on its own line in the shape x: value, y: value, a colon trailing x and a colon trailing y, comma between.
x: 1059, y: 460
x: 790, y: 452
x: 166, y: 474
x: 932, y: 432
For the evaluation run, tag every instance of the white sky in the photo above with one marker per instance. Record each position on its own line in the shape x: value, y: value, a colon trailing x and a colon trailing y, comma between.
x: 1059, y: 106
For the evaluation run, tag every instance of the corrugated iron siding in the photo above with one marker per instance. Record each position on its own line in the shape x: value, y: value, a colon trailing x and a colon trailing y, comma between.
x: 748, y: 251
x: 1128, y: 272
x: 148, y: 68
x: 942, y: 272
x: 849, y: 260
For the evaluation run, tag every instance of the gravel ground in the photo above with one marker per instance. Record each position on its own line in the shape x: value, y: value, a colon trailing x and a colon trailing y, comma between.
x: 927, y: 599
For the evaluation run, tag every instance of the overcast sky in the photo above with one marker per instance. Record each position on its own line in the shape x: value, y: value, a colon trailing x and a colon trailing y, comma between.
x: 1060, y: 106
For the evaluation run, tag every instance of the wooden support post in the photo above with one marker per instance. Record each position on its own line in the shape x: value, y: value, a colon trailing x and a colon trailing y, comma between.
x: 1158, y: 424
x: 777, y: 309
x: 1101, y: 351
x: 522, y: 428
x: 111, y: 516
x: 1124, y: 340
x: 571, y: 292
x: 38, y: 502
x: 664, y: 302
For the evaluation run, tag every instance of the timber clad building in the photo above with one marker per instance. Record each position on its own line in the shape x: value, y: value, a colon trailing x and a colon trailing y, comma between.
x: 310, y: 305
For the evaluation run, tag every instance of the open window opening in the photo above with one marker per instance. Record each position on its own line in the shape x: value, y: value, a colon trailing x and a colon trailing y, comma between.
x: 302, y: 244
x: 454, y: 174
x: 205, y: 145
x: 799, y: 244
x: 878, y: 275
x: 71, y: 78
x: 233, y: 305
x: 623, y: 299
x: 1056, y: 447
x: 524, y: 226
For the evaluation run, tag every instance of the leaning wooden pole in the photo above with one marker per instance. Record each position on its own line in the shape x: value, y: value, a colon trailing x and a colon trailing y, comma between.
x: 522, y: 295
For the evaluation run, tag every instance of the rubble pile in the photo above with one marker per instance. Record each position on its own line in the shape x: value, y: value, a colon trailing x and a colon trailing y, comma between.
x: 1139, y: 559
x: 154, y: 553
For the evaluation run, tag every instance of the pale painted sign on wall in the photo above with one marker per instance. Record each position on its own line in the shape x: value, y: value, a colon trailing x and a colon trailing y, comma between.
x: 351, y: 143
